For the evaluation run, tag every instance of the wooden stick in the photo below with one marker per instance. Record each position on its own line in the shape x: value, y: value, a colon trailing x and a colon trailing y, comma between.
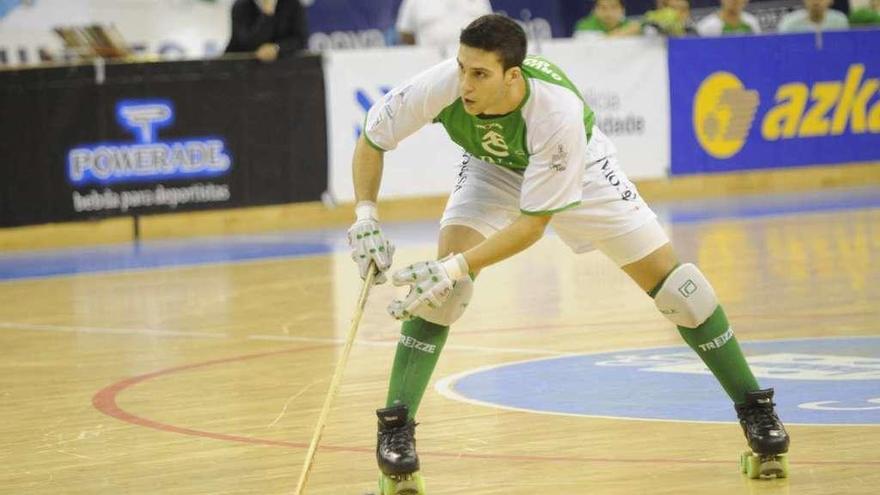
x: 335, y: 382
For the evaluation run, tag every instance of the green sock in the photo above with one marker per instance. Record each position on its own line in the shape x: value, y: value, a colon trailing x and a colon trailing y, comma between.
x: 714, y: 342
x: 417, y: 352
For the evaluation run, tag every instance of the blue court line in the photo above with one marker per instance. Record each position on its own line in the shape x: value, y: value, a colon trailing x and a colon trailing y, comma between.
x: 231, y: 249
x: 754, y: 206
x: 148, y: 255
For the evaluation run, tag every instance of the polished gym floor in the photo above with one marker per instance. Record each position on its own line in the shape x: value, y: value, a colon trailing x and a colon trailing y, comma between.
x: 199, y: 366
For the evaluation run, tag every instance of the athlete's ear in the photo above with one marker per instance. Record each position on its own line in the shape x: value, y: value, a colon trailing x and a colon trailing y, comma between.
x: 512, y: 74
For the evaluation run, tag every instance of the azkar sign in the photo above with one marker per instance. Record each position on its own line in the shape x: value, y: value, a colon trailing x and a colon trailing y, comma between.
x: 726, y: 112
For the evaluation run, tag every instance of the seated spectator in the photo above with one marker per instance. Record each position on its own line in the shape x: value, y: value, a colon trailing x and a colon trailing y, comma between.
x: 815, y: 16
x: 729, y: 19
x: 672, y: 18
x: 866, y: 16
x: 607, y: 18
x: 268, y: 28
x: 683, y: 9
x: 438, y: 24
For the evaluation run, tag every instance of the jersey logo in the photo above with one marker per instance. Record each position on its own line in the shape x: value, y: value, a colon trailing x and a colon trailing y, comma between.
x: 557, y: 161
x: 493, y: 141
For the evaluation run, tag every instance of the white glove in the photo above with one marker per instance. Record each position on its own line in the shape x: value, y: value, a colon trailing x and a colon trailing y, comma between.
x: 430, y: 282
x: 368, y: 244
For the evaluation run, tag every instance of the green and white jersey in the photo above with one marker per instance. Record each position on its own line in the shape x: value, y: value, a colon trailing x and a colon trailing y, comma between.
x: 544, y: 139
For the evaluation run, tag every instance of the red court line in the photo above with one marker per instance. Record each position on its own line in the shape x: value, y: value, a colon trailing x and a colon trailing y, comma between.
x: 105, y: 401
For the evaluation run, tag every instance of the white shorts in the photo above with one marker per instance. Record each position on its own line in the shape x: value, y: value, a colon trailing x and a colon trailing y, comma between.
x: 612, y: 216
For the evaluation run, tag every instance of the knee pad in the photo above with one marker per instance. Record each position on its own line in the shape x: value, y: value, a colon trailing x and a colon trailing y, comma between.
x: 451, y: 310
x: 686, y: 298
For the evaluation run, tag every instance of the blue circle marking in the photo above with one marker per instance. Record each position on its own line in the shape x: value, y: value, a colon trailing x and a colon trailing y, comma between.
x: 822, y: 381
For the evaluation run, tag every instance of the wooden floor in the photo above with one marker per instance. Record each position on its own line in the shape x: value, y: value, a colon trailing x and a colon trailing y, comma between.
x: 209, y: 379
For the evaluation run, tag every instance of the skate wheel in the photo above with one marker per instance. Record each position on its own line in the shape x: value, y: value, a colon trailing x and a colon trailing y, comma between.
x: 757, y: 466
x: 744, y: 461
x: 412, y: 484
x: 751, y: 465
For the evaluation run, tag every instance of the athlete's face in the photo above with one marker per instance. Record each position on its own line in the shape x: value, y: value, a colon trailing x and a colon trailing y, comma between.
x: 483, y: 84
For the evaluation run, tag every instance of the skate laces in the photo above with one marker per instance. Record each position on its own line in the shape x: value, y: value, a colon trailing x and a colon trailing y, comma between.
x: 401, y: 437
x: 763, y: 417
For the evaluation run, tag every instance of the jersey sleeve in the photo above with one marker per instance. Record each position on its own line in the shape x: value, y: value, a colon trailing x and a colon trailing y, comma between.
x: 410, y: 106
x: 553, y: 180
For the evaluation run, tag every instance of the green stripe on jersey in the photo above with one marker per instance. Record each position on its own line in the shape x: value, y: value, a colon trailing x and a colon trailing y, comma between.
x: 502, y: 140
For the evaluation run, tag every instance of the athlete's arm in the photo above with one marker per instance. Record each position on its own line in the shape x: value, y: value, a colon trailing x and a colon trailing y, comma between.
x: 401, y: 112
x: 366, y: 169
x: 365, y: 237
x: 516, y: 237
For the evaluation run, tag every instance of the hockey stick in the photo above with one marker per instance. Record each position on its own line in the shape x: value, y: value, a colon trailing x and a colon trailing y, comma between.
x: 336, y: 380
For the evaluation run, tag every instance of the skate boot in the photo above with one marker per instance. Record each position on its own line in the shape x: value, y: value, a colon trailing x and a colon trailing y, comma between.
x: 766, y: 435
x: 396, y: 453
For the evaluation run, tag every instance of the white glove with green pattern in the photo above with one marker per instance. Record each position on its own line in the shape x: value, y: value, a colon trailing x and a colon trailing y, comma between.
x: 368, y: 244
x: 430, y: 282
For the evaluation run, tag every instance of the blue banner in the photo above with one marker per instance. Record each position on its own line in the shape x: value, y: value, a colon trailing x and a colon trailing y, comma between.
x: 745, y: 103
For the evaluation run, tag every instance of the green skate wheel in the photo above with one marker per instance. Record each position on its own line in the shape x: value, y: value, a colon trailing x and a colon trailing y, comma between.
x: 752, y: 465
x: 783, y: 466
x: 757, y: 466
x: 744, y: 461
x: 409, y: 485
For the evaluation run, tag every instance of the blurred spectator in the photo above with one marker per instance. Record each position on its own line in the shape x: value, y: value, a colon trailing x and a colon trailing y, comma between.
x: 607, y: 18
x: 436, y: 23
x: 268, y: 28
x: 866, y: 16
x: 729, y: 19
x: 672, y: 18
x: 683, y: 9
x: 815, y: 16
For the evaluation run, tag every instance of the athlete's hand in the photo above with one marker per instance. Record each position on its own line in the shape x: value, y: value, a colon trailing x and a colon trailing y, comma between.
x: 430, y: 283
x: 368, y: 244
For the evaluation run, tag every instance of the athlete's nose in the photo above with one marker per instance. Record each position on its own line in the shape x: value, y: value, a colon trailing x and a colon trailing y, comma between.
x: 465, y: 86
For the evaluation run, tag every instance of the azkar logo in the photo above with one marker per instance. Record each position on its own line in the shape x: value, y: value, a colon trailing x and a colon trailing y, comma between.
x: 723, y: 114
x: 724, y: 110
x: 148, y: 158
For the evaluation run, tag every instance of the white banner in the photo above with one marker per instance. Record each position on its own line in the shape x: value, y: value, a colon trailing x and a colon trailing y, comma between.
x: 626, y: 82
x: 423, y: 164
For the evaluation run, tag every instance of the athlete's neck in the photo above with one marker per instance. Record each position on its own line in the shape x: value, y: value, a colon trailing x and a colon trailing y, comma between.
x: 510, y: 102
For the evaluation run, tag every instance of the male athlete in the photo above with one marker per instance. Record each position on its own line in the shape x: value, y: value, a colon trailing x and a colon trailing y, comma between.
x: 533, y: 156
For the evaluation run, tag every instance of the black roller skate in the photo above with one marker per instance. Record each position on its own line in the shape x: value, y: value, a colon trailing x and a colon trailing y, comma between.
x: 766, y: 435
x: 396, y: 453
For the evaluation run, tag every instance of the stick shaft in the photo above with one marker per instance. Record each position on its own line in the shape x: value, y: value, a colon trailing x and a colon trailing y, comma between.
x: 335, y: 382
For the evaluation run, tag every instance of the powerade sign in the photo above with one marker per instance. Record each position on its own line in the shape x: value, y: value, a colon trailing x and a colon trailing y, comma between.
x: 740, y: 103
x: 148, y: 158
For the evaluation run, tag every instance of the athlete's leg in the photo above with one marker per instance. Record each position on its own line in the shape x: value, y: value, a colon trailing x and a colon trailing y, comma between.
x: 457, y: 239
x: 649, y: 271
x: 685, y: 297
x: 484, y: 201
x: 422, y: 338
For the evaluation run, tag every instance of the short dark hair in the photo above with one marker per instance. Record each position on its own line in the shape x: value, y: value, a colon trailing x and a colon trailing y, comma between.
x: 499, y: 34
